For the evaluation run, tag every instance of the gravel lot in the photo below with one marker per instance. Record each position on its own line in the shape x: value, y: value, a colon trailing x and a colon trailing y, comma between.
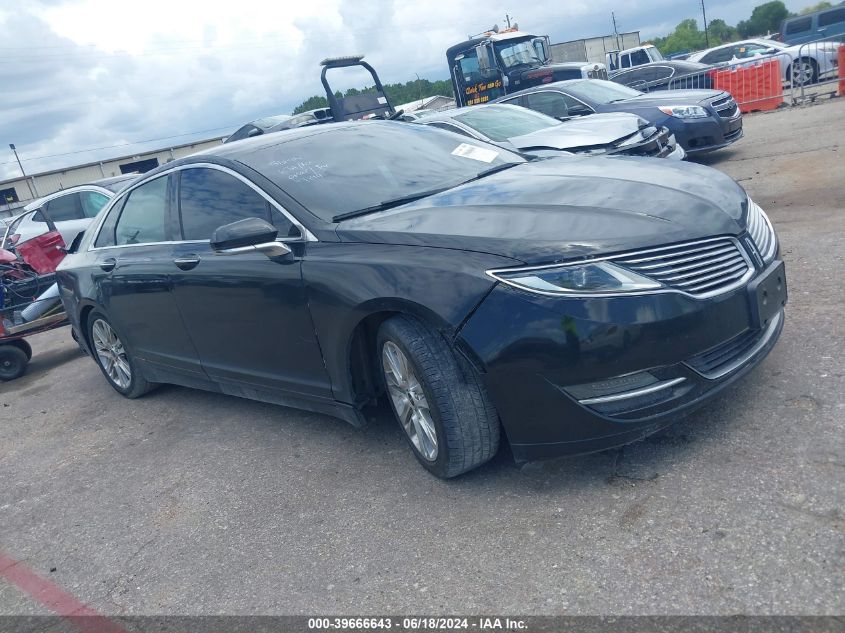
x: 188, y: 502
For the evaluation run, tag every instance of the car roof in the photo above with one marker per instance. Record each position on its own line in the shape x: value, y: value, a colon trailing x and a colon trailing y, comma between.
x: 454, y: 113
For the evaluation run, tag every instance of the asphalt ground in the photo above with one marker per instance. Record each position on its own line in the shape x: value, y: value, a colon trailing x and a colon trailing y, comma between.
x: 185, y: 502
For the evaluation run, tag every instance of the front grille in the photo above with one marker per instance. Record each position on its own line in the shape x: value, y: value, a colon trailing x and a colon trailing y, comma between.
x: 732, y: 354
x: 701, y: 268
x: 597, y: 74
x: 725, y: 107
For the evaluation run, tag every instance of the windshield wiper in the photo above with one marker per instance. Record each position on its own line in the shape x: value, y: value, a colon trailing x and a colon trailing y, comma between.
x: 491, y: 170
x: 396, y: 202
x: 389, y: 204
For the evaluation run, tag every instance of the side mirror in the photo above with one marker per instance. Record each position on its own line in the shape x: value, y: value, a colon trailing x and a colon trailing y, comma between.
x: 541, y: 47
x: 579, y: 110
x: 486, y: 64
x: 247, y: 236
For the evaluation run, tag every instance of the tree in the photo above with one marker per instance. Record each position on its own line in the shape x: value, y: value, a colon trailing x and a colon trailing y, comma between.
x: 721, y: 32
x: 816, y: 7
x: 765, y: 18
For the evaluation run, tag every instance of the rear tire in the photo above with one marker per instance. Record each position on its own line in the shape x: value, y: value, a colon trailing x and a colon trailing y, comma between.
x: 114, y: 359
x: 806, y: 67
x: 441, y: 403
x: 13, y: 362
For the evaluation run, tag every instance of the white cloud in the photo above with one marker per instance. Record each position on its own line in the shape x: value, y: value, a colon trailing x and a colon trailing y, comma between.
x: 83, y: 74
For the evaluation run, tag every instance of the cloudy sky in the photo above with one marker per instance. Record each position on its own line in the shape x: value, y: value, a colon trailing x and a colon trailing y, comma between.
x: 85, y: 80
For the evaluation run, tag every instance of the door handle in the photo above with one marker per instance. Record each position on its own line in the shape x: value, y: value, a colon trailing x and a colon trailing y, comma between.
x: 187, y: 262
x: 108, y: 264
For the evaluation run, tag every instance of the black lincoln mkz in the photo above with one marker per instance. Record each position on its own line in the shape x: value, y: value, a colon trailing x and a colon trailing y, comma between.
x: 574, y: 303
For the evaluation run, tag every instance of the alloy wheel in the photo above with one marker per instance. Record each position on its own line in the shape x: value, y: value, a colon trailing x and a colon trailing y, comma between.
x: 111, y: 354
x: 802, y: 73
x: 409, y: 400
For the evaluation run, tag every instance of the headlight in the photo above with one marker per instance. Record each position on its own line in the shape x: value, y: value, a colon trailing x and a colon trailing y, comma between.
x: 760, y: 228
x: 576, y: 279
x: 685, y: 112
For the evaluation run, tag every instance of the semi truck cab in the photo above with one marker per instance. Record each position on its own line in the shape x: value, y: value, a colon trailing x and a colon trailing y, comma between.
x: 497, y: 63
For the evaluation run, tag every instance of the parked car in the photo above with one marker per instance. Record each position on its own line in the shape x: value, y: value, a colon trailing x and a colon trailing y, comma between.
x: 797, y: 65
x: 279, y: 122
x: 580, y: 303
x: 700, y: 120
x: 666, y: 75
x: 636, y: 56
x: 520, y: 129
x: 71, y: 209
x: 814, y: 26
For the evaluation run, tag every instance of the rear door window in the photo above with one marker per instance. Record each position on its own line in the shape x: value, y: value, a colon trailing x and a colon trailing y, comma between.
x: 719, y: 55
x: 799, y: 26
x: 551, y: 103
x: 61, y: 209
x: 210, y: 198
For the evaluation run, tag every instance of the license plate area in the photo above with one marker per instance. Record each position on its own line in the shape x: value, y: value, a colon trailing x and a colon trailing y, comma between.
x: 767, y: 295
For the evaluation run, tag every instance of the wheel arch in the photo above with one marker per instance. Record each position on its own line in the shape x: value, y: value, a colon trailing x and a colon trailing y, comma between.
x: 362, y: 361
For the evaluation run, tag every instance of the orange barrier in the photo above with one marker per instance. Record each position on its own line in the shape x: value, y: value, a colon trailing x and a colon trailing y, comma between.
x: 754, y: 88
x: 842, y: 71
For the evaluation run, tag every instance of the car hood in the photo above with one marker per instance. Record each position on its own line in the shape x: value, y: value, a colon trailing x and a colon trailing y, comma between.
x: 672, y: 97
x: 588, y: 131
x: 562, y: 208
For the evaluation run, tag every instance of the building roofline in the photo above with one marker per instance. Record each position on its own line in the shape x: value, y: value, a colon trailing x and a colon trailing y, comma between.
x: 108, y: 160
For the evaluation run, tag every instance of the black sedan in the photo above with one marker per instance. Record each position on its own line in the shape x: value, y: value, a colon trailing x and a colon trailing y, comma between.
x: 574, y: 303
x: 701, y: 120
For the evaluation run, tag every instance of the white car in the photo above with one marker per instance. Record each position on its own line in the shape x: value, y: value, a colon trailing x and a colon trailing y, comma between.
x: 71, y: 210
x: 799, y: 64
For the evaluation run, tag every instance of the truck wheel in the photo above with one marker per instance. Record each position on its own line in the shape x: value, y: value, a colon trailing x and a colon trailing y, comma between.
x: 437, y: 397
x: 13, y: 362
x: 114, y: 358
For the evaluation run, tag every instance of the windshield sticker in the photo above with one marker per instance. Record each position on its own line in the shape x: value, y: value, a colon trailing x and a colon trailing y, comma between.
x: 475, y: 153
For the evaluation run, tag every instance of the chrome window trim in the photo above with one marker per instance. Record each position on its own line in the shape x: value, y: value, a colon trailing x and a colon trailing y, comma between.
x: 739, y: 362
x: 752, y: 270
x: 307, y: 236
x: 634, y: 393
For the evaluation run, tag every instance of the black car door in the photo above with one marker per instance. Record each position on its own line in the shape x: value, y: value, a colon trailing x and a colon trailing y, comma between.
x: 246, y: 314
x: 131, y: 262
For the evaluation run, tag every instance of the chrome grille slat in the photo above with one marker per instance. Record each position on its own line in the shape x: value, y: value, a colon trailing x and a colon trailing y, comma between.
x: 705, y: 255
x: 719, y: 271
x: 701, y: 268
x: 703, y: 287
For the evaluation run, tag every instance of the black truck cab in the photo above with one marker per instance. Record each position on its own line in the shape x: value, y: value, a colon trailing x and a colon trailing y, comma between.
x: 497, y: 63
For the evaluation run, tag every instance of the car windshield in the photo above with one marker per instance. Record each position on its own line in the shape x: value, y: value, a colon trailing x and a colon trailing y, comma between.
x: 515, y: 53
x: 335, y: 170
x: 602, y: 91
x: 501, y: 122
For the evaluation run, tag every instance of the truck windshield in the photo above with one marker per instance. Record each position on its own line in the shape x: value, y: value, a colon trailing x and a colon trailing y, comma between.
x: 654, y: 54
x: 501, y: 122
x: 601, y: 91
x: 516, y: 53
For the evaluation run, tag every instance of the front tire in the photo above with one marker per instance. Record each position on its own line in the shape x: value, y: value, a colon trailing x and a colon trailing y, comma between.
x: 437, y: 398
x: 114, y: 359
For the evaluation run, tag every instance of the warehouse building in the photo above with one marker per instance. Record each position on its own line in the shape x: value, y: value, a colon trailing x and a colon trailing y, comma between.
x: 16, y: 193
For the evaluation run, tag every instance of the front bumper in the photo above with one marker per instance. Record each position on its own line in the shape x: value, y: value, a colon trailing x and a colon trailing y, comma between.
x: 539, y: 354
x: 698, y: 136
